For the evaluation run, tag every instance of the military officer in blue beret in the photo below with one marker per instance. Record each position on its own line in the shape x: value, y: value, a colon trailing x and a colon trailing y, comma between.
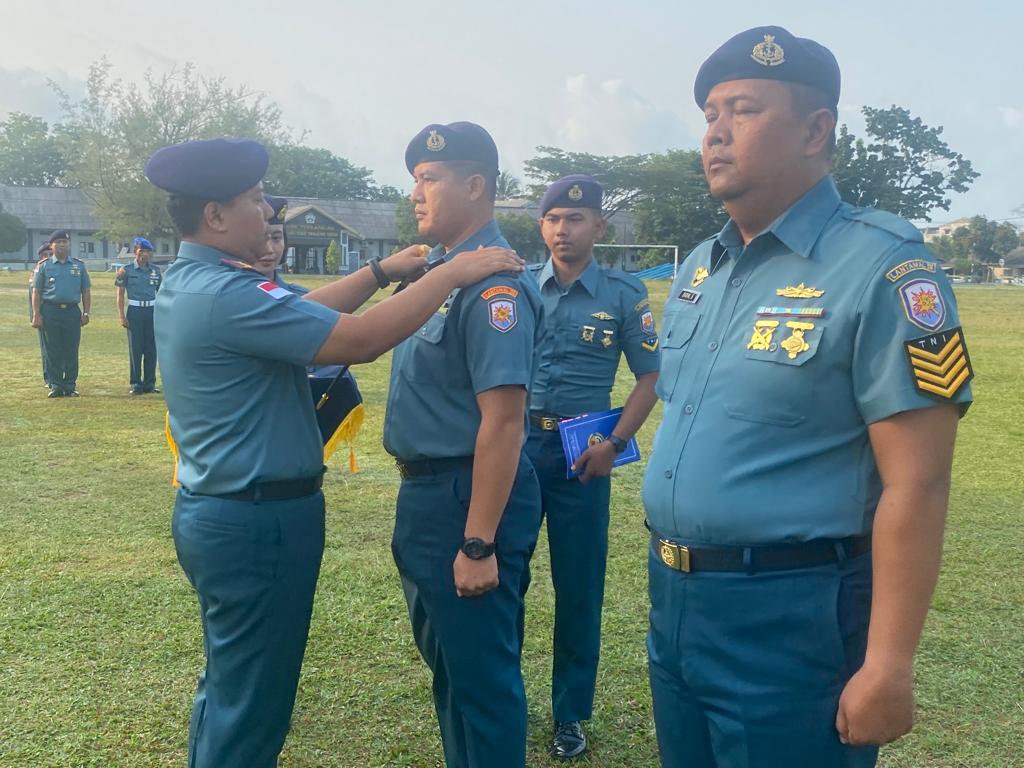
x: 593, y: 317
x: 42, y: 254
x: 469, y: 506
x: 60, y: 284
x: 137, y: 284
x: 248, y: 519
x: 277, y: 244
x: 813, y: 371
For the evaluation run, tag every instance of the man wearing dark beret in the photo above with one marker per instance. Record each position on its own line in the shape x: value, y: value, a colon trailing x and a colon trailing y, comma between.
x: 59, y: 284
x: 469, y: 506
x: 137, y: 284
x: 594, y: 316
x: 248, y: 519
x: 42, y: 254
x: 813, y: 373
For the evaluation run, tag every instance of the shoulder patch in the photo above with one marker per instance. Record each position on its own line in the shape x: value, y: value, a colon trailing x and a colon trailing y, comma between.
x: 237, y: 264
x: 889, y: 222
x: 647, y: 322
x: 923, y: 304
x: 273, y: 290
x: 939, y: 363
x: 499, y: 290
x: 502, y: 314
x: 913, y: 265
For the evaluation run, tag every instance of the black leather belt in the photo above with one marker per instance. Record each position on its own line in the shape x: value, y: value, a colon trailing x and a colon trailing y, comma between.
x: 274, y: 490
x: 424, y: 467
x: 545, y: 421
x: 770, y: 557
x: 61, y: 305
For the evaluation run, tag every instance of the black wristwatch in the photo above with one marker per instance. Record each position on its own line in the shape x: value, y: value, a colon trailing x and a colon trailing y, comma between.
x: 378, y: 271
x: 618, y: 442
x: 477, y: 549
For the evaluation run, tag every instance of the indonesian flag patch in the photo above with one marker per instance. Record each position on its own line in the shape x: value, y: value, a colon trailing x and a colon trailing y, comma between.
x: 273, y: 290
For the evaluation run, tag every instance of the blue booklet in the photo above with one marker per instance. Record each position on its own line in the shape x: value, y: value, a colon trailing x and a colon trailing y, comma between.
x: 580, y: 432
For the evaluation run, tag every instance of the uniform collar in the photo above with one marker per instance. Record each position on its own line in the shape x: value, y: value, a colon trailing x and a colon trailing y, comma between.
x: 199, y: 252
x: 486, y: 235
x: 588, y: 279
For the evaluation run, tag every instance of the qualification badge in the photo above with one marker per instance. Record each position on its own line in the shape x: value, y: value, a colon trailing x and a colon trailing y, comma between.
x: 768, y: 53
x: 575, y: 193
x: 435, y: 142
x: 699, y: 276
x: 761, y: 339
x: 795, y: 344
x: 602, y: 316
x: 606, y: 339
x: 799, y: 292
x: 587, y: 333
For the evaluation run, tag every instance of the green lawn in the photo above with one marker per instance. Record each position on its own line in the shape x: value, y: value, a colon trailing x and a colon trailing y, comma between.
x: 99, y: 631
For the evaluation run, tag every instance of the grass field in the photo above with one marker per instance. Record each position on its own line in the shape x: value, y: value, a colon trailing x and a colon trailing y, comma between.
x: 99, y: 631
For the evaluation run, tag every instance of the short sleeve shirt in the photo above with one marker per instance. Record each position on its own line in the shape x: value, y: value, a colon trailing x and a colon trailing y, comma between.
x: 233, y: 348
x: 777, y: 356
x: 62, y: 282
x: 139, y: 283
x: 590, y: 324
x: 482, y: 337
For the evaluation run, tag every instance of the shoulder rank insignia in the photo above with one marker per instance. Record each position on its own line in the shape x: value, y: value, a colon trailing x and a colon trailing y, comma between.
x: 939, y: 363
x: 502, y: 315
x: 651, y: 345
x: 236, y: 263
x: 602, y: 316
x: 499, y: 290
x: 647, y: 322
x: 799, y: 292
x: 923, y: 303
x: 761, y: 339
x: 769, y: 53
x: 913, y: 265
x: 699, y: 276
x: 796, y: 344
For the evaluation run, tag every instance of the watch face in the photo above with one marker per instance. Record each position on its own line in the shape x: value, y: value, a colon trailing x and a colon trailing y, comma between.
x: 476, y: 549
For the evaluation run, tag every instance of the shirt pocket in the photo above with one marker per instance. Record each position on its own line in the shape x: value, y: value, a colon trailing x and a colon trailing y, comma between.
x: 676, y: 332
x: 778, y: 384
x: 428, y: 363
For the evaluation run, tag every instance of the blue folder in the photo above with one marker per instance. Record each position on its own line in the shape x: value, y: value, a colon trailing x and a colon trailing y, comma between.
x: 580, y: 432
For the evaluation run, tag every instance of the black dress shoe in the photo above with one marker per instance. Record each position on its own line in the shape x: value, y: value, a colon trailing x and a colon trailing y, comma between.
x: 55, y: 393
x: 153, y: 390
x: 71, y: 393
x: 569, y: 741
x: 137, y: 390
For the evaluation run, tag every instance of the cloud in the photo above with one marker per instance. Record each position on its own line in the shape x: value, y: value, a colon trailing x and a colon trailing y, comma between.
x: 1012, y: 117
x: 27, y: 90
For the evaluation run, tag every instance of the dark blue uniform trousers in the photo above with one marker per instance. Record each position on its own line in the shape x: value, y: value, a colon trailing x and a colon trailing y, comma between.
x: 254, y: 566
x: 746, y: 669
x: 577, y: 523
x: 62, y: 332
x: 141, y: 347
x: 471, y: 644
x: 42, y: 337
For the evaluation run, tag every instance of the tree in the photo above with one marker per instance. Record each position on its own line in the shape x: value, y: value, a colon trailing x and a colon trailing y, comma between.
x: 12, y: 232
x: 523, y: 233
x: 508, y: 186
x: 621, y: 176
x: 314, y: 172
x: 405, y: 224
x: 29, y: 155
x: 905, y: 167
x: 332, y: 259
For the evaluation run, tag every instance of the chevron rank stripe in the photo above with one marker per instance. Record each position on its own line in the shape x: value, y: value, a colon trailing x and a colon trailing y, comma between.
x: 939, y: 363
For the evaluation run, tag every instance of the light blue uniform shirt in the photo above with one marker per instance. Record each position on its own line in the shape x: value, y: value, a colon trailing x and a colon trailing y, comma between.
x: 482, y: 337
x: 764, y: 436
x: 590, y: 324
x: 232, y: 344
x: 139, y: 283
x: 61, y: 283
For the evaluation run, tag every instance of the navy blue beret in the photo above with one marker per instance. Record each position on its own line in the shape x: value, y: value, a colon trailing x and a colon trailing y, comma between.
x: 141, y: 242
x: 280, y: 207
x: 452, y: 142
x: 335, y: 394
x: 213, y: 169
x: 44, y: 248
x: 58, y: 234
x: 769, y: 53
x: 575, y: 191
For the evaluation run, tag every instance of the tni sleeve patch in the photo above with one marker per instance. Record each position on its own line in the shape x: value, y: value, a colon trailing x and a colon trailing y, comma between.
x: 939, y: 363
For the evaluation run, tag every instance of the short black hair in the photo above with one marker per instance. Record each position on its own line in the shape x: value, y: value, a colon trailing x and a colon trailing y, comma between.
x: 467, y: 168
x: 186, y: 213
x: 808, y: 99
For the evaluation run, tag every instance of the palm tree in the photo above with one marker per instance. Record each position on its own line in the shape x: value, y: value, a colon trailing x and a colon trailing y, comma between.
x: 508, y: 186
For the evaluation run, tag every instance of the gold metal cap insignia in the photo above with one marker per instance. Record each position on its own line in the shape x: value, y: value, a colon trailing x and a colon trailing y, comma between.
x: 769, y: 53
x: 435, y: 142
x: 575, y: 193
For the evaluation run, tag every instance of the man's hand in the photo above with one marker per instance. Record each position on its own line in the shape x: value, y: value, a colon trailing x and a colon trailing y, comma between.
x: 407, y: 265
x: 596, y: 461
x: 37, y: 321
x: 475, y: 577
x: 877, y: 705
x: 124, y: 321
x: 84, y: 319
x: 471, y: 267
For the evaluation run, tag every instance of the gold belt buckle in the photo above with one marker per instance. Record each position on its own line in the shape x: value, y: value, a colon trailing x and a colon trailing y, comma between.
x: 548, y: 424
x: 674, y: 556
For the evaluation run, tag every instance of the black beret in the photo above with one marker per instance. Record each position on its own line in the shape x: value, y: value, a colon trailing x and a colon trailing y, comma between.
x: 452, y: 142
x: 575, y: 191
x: 213, y: 169
x: 280, y: 207
x: 769, y: 53
x: 58, y: 234
x: 44, y: 248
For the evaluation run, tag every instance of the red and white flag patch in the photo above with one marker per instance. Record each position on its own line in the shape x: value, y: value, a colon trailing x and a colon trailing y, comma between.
x: 273, y: 289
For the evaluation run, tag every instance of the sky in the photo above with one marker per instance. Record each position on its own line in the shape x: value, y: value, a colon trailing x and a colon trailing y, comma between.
x: 361, y: 77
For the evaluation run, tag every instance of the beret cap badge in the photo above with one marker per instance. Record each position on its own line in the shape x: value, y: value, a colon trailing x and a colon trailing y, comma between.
x: 769, y: 53
x: 575, y: 193
x: 435, y: 142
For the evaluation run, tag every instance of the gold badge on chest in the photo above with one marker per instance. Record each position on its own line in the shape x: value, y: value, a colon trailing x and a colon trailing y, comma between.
x: 699, y: 276
x: 796, y: 343
x: 761, y: 340
x: 587, y: 333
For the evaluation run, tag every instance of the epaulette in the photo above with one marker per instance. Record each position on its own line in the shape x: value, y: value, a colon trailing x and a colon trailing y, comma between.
x: 887, y: 222
x: 75, y: 258
x: 237, y: 264
x: 535, y: 267
x: 632, y: 281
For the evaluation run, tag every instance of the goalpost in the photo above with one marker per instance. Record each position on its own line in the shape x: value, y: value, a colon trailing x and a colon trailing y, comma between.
x: 673, y: 248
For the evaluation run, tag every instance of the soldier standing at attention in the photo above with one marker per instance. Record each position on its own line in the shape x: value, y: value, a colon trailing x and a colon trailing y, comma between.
x: 248, y: 521
x: 468, y: 507
x: 593, y: 317
x: 42, y: 254
x: 813, y: 372
x: 139, y: 282
x: 60, y: 284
